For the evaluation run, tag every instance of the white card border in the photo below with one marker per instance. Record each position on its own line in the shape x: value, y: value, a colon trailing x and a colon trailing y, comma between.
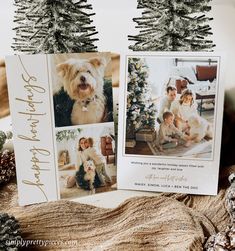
x: 123, y: 157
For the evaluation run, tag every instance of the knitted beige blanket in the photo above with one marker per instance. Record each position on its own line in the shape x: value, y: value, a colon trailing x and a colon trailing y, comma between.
x: 169, y: 222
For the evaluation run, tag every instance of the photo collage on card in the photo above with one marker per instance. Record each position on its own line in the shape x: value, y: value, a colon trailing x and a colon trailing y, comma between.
x: 84, y: 127
x: 170, y: 106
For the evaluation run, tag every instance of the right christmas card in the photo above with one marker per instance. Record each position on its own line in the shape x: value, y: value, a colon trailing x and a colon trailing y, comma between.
x: 170, y: 121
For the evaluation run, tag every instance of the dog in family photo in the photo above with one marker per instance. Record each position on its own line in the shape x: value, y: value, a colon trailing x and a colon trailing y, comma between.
x: 199, y: 128
x: 86, y: 177
x: 89, y: 168
x: 83, y: 81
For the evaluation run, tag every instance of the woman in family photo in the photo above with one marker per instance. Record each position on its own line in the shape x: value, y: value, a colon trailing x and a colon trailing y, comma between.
x: 81, y: 157
x: 183, y: 109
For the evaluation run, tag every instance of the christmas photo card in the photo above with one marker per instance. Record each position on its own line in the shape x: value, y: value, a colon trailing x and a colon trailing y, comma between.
x: 170, y: 122
x: 62, y: 115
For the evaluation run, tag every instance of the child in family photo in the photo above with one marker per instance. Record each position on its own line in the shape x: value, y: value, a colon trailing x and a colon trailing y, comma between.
x: 99, y: 161
x: 170, y: 136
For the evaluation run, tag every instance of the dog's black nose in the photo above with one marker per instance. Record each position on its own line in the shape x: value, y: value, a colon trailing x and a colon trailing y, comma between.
x: 82, y: 78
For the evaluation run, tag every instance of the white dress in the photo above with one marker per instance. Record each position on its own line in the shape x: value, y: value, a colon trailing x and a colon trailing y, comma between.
x: 183, y: 111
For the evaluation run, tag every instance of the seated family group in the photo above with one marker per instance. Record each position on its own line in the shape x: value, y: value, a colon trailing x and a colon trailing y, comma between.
x: 180, y: 123
x: 90, y: 168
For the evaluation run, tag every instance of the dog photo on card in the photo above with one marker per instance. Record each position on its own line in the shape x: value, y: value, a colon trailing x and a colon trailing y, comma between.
x: 62, y: 115
x: 82, y: 87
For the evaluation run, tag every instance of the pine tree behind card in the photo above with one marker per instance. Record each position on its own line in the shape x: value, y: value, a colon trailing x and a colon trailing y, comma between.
x: 25, y: 23
x: 173, y: 25
x: 141, y: 111
x: 53, y: 26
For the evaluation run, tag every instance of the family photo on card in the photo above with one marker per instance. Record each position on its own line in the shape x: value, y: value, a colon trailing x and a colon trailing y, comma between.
x: 172, y: 112
x: 86, y: 160
x: 171, y: 106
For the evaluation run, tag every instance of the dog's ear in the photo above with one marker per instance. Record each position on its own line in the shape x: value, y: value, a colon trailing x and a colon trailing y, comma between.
x: 98, y: 62
x: 63, y: 69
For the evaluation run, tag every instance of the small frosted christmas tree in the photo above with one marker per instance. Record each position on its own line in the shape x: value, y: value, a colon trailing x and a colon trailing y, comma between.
x: 54, y: 26
x: 173, y: 25
x: 141, y: 111
x: 24, y: 29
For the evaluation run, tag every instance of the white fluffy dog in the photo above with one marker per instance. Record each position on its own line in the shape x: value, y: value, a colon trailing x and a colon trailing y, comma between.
x: 89, y: 168
x: 199, y: 128
x: 83, y: 81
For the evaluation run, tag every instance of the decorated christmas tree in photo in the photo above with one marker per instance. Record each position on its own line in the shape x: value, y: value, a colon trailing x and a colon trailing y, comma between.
x: 141, y: 111
x: 173, y: 26
x: 54, y: 26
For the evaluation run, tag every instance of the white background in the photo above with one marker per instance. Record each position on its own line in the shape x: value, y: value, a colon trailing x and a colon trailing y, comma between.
x: 113, y: 21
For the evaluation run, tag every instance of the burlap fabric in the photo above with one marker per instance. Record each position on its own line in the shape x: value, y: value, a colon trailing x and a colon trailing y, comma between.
x: 169, y: 222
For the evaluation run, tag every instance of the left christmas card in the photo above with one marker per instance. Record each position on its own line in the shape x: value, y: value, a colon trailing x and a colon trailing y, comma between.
x: 62, y: 115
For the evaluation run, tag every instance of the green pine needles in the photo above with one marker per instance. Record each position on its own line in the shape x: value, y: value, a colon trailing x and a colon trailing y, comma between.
x: 53, y: 26
x: 173, y: 25
x: 141, y: 111
x: 68, y: 135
